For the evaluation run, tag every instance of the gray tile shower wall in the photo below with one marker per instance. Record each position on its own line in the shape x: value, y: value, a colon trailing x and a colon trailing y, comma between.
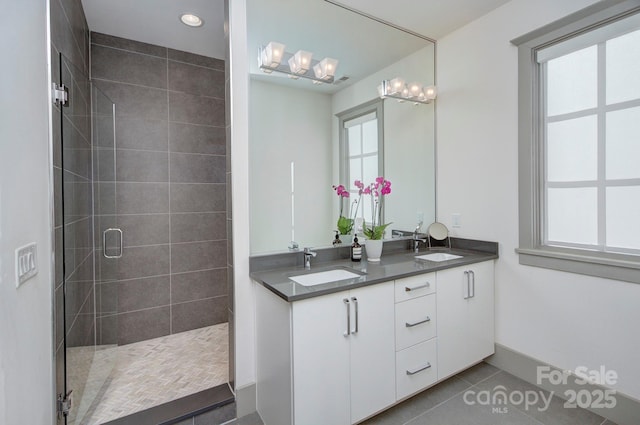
x: 169, y: 183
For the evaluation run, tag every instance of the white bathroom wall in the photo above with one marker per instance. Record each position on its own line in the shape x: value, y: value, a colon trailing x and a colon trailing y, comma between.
x: 408, y: 139
x: 564, y: 319
x: 26, y: 347
x: 289, y: 125
x: 244, y: 300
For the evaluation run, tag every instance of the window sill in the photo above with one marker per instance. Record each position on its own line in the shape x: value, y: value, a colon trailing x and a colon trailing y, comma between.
x: 610, y: 266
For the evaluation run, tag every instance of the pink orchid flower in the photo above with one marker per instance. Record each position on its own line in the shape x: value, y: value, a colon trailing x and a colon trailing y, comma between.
x: 341, y: 191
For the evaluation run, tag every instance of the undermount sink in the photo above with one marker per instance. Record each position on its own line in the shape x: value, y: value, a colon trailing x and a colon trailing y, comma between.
x: 318, y: 278
x: 438, y: 256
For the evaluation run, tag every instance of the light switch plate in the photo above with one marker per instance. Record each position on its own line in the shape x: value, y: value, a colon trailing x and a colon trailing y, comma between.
x: 456, y: 220
x: 26, y: 263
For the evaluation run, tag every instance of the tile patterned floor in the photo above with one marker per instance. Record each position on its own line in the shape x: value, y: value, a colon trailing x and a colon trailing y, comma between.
x: 445, y: 404
x: 137, y: 376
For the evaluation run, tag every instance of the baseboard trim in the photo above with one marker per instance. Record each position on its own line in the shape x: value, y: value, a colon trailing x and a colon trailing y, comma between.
x: 246, y: 400
x: 625, y: 412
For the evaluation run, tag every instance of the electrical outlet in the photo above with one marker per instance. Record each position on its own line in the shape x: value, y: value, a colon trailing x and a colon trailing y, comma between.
x: 26, y: 263
x: 456, y: 220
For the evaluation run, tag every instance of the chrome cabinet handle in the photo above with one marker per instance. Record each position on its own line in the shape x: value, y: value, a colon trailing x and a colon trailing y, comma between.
x: 355, y: 304
x: 104, y: 243
x: 413, y: 288
x: 466, y: 274
x: 410, y: 325
x: 346, y: 302
x: 473, y: 283
x: 420, y: 369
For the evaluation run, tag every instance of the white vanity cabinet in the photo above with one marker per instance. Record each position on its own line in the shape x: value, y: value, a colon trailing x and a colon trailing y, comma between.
x: 342, y: 357
x: 465, y: 317
x: 328, y: 359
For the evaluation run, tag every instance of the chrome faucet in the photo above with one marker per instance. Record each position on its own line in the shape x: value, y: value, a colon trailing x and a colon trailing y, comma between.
x: 416, y: 240
x: 416, y: 244
x: 307, y: 257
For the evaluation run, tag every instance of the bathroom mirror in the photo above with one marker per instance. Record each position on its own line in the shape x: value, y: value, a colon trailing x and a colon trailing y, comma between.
x: 294, y: 134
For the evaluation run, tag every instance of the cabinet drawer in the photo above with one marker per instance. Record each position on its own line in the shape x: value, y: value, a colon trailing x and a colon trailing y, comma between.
x: 416, y: 368
x: 415, y: 321
x: 415, y: 286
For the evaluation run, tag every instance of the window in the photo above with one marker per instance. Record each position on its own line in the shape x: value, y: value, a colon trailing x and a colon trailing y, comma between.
x: 361, y: 152
x: 580, y: 143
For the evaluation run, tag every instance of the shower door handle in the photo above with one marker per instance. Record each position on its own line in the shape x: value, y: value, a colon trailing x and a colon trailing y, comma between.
x: 104, y: 243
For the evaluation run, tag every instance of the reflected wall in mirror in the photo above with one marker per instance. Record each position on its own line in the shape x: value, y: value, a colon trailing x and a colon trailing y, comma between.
x: 294, y: 133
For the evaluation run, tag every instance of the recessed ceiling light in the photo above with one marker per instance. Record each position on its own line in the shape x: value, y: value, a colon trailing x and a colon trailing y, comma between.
x: 191, y: 20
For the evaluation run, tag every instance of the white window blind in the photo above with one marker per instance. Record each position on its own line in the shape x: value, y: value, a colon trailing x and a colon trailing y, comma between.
x: 590, y: 129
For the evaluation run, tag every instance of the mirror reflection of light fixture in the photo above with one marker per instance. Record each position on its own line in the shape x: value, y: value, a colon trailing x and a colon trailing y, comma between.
x: 413, y: 92
x: 273, y: 57
x: 396, y: 86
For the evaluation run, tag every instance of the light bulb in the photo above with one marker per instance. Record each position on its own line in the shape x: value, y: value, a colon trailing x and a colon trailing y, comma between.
x: 430, y: 92
x: 415, y: 89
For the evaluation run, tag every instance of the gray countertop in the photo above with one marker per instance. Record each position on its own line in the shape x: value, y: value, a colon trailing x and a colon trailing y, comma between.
x: 392, y: 266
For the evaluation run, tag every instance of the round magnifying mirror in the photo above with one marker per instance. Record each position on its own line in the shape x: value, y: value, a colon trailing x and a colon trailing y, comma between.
x: 438, y: 231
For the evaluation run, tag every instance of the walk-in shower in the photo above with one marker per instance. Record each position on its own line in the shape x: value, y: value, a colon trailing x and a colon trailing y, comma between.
x: 142, y: 294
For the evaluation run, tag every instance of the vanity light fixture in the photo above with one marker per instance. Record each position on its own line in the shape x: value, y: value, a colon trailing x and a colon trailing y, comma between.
x: 412, y: 92
x: 191, y: 20
x: 299, y: 63
x: 273, y: 57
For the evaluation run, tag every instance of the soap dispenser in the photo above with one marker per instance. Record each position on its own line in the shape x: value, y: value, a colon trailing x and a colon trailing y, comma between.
x: 337, y: 240
x: 356, y: 249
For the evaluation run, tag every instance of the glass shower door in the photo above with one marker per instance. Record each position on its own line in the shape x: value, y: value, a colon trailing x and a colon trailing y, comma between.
x: 86, y: 369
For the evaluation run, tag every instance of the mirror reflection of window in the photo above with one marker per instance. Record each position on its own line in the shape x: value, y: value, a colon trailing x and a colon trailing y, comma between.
x: 361, y: 150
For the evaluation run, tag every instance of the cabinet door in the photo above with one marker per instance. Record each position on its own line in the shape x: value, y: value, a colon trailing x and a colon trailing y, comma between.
x: 321, y: 360
x: 452, y: 321
x: 465, y: 304
x: 372, y: 350
x: 481, y: 312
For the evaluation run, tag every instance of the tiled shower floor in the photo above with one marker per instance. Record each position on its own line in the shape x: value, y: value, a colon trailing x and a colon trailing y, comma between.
x: 148, y: 373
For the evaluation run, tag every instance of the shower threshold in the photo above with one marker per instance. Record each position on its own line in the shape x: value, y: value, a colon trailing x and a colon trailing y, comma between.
x: 158, y: 371
x: 219, y: 398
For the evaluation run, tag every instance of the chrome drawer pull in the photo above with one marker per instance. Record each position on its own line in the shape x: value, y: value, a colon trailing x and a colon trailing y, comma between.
x: 409, y: 289
x: 468, y: 295
x: 473, y: 283
x: 355, y: 304
x: 410, y: 325
x: 346, y: 302
x: 420, y: 369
